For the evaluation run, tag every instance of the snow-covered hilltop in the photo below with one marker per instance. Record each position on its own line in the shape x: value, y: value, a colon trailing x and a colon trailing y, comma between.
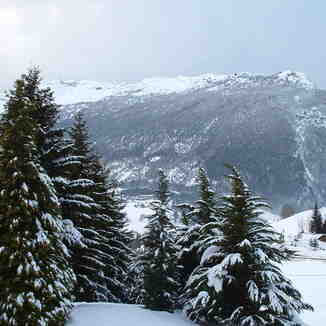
x: 71, y: 92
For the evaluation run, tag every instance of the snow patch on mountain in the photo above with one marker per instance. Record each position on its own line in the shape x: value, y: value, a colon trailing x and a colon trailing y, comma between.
x: 71, y: 92
x: 297, y: 223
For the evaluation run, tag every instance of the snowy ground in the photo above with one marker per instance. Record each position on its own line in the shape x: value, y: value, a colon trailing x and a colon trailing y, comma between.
x: 308, y: 276
x: 111, y: 314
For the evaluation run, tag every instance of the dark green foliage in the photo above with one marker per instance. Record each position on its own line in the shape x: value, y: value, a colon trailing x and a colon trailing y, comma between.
x: 316, y: 224
x: 239, y: 272
x: 314, y: 243
x: 82, y: 209
x: 36, y: 281
x: 50, y: 143
x: 136, y: 276
x: 194, y: 217
x: 96, y: 210
x: 53, y: 150
x: 115, y: 238
x: 160, y: 256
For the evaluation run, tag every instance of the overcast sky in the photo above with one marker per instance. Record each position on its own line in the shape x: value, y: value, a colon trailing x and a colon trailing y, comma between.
x: 108, y: 40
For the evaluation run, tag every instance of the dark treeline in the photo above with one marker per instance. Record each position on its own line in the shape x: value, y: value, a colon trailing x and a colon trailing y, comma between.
x: 63, y: 235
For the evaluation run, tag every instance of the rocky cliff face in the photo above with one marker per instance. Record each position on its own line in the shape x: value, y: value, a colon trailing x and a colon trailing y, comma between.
x: 271, y: 127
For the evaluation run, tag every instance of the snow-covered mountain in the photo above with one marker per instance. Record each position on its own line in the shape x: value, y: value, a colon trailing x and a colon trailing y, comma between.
x: 271, y: 126
x: 71, y: 92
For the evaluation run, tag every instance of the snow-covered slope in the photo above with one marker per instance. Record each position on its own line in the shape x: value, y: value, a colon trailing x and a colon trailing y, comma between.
x: 111, y: 314
x: 69, y: 92
x: 297, y: 223
x: 308, y: 276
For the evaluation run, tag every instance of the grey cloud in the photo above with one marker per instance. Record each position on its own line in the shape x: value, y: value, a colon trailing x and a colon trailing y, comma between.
x: 133, y: 39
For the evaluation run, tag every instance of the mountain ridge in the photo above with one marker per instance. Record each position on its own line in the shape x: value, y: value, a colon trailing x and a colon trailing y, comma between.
x: 271, y: 126
x: 72, y: 91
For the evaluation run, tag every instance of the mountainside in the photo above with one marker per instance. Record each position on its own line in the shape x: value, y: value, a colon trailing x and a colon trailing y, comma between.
x: 271, y: 126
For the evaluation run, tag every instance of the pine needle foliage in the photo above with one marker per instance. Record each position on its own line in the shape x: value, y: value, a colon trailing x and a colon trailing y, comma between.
x: 160, y: 271
x: 202, y: 212
x: 101, y: 266
x: 239, y: 281
x: 54, y: 150
x: 316, y: 225
x: 36, y: 280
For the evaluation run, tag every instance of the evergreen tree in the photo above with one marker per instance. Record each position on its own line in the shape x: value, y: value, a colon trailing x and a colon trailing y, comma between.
x: 115, y: 239
x: 160, y: 270
x: 54, y: 151
x: 316, y: 224
x: 36, y: 280
x: 79, y: 204
x: 136, y: 275
x: 239, y: 281
x: 313, y: 242
x: 101, y: 267
x: 194, y: 217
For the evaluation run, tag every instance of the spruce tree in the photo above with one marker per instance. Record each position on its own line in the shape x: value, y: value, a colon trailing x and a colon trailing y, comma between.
x: 79, y: 204
x: 54, y: 150
x: 194, y: 217
x: 136, y: 276
x: 36, y: 280
x: 160, y: 270
x: 316, y: 224
x: 114, y: 237
x: 239, y: 281
x: 101, y: 267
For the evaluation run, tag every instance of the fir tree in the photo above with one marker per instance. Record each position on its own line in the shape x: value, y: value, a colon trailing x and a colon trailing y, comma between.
x: 313, y: 242
x: 316, y: 224
x: 54, y: 151
x: 136, y: 275
x: 36, y: 280
x: 160, y: 270
x: 101, y: 267
x: 115, y: 238
x: 239, y: 281
x: 82, y: 209
x: 194, y: 217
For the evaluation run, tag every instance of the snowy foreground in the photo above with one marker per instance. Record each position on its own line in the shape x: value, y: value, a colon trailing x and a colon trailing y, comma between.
x: 111, y: 314
x: 308, y: 276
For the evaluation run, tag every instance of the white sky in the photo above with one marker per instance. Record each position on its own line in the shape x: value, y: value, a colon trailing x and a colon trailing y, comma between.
x: 108, y: 40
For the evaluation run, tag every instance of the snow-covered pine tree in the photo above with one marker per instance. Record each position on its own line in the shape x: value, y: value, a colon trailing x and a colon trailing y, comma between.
x: 161, y: 281
x: 239, y: 281
x: 79, y: 204
x: 316, y: 224
x: 101, y: 267
x: 194, y: 217
x: 136, y: 276
x: 36, y: 281
x: 54, y: 150
x: 114, y: 237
